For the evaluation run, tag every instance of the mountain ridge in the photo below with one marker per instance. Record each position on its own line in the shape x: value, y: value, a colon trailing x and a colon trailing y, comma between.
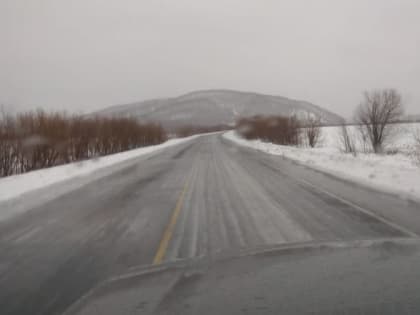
x: 215, y: 107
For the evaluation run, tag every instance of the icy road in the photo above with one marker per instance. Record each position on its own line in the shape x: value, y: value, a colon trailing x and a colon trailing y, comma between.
x: 197, y: 199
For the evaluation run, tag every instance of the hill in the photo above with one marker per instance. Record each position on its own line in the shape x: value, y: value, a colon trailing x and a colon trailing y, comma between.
x: 215, y: 107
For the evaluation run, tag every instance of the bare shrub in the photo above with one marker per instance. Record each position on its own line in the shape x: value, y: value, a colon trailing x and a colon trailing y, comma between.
x: 346, y: 141
x: 312, y: 130
x: 36, y: 140
x: 275, y: 129
x: 376, y: 113
x: 8, y: 145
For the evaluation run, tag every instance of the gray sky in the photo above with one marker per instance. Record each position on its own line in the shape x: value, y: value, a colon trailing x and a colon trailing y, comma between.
x: 87, y: 54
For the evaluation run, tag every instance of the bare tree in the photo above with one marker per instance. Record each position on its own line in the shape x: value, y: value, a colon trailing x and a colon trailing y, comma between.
x: 379, y: 109
x: 312, y: 129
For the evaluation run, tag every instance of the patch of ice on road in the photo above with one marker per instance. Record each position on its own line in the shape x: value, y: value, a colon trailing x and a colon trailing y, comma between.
x: 14, y: 186
x: 395, y: 173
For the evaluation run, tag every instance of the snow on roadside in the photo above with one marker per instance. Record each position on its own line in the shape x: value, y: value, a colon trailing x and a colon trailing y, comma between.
x: 391, y: 173
x: 401, y: 139
x: 14, y: 186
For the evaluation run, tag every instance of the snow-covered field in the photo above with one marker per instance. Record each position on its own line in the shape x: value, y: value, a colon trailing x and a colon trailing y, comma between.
x: 14, y: 186
x: 397, y: 173
x: 401, y: 138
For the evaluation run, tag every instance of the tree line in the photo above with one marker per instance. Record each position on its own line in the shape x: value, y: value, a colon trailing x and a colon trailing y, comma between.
x: 38, y: 139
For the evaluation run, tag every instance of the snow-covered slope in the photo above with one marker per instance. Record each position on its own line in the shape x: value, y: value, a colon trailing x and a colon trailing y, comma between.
x: 215, y: 107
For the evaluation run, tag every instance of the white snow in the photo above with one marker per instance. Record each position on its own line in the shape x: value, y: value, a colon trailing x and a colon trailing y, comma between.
x: 396, y: 173
x: 402, y: 138
x: 14, y: 186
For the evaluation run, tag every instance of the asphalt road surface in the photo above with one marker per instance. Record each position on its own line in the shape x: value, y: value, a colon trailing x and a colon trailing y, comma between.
x: 201, y: 198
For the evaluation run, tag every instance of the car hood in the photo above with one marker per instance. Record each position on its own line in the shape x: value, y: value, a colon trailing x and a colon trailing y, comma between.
x: 362, y: 277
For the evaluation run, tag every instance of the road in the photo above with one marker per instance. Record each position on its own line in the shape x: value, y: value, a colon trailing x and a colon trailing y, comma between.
x: 201, y: 198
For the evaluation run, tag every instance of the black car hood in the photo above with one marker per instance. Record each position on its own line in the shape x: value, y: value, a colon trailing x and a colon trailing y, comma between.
x: 363, y: 277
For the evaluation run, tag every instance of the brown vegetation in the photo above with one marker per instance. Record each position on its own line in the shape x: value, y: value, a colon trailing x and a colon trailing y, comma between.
x: 275, y: 129
x: 36, y: 140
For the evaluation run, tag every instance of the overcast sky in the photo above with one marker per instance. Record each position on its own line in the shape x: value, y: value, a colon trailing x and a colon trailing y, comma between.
x: 86, y: 54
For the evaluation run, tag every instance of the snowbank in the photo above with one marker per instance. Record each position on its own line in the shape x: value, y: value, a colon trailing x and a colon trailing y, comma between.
x: 14, y: 186
x: 392, y: 173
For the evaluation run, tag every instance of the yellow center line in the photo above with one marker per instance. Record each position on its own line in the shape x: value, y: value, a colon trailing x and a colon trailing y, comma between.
x: 167, y: 235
